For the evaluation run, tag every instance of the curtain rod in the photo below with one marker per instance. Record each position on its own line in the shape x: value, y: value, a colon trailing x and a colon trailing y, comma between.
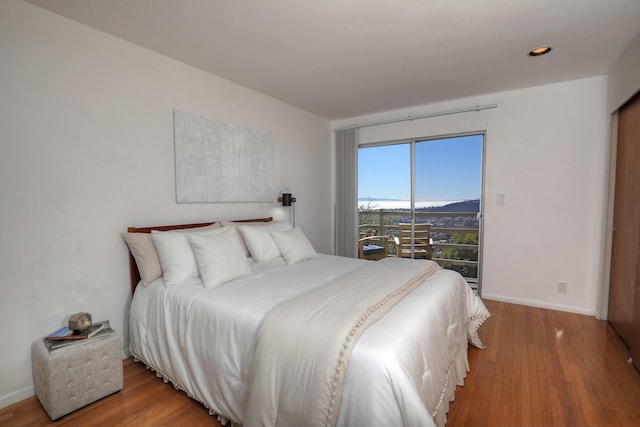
x: 422, y: 116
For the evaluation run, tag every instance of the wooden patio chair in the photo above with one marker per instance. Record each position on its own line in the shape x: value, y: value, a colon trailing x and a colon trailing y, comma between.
x: 422, y: 244
x: 373, y: 247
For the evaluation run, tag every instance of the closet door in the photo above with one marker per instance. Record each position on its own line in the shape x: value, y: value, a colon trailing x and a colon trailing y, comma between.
x: 624, y: 312
x: 634, y: 345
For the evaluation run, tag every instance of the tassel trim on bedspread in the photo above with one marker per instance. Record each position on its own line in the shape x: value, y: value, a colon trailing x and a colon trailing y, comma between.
x: 222, y: 419
x: 456, y: 374
x: 473, y: 324
x: 458, y: 370
x: 477, y: 314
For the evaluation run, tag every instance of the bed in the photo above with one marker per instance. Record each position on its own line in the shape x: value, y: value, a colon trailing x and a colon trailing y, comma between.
x: 374, y: 342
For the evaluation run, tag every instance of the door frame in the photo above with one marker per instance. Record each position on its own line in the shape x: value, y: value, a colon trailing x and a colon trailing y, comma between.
x: 412, y: 142
x: 602, y: 308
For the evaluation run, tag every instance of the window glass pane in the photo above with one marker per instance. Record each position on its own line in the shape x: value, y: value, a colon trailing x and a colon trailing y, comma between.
x: 448, y: 170
x: 449, y: 181
x: 384, y: 182
x: 384, y: 176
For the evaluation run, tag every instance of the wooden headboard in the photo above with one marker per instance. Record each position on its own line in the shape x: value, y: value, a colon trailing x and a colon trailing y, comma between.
x: 133, y: 267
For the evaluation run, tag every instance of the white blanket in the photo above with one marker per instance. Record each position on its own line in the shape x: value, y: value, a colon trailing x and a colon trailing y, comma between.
x: 304, y: 344
x: 203, y: 340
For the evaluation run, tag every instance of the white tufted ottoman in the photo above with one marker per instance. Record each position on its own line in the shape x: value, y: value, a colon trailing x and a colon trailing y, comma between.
x: 69, y: 378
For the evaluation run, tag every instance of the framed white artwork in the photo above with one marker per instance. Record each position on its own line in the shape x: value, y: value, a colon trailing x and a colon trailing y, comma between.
x: 221, y: 162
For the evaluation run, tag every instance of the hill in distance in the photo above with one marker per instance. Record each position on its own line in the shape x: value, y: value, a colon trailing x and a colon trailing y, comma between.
x: 465, y: 206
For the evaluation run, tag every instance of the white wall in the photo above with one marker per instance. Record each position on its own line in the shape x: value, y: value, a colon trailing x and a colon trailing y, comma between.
x: 546, y: 151
x: 624, y: 76
x: 87, y: 150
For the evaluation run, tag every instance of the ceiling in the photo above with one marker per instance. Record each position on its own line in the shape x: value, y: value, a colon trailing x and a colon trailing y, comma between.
x: 346, y: 58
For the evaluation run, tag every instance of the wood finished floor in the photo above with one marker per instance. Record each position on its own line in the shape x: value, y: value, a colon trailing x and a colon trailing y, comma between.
x: 541, y: 368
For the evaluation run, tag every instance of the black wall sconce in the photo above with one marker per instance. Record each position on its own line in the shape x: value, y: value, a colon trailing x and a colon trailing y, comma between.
x: 287, y: 199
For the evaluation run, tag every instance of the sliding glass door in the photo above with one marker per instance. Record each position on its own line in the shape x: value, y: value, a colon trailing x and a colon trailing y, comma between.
x: 425, y: 195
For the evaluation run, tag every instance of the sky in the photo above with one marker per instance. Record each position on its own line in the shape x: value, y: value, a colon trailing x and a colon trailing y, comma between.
x: 446, y: 170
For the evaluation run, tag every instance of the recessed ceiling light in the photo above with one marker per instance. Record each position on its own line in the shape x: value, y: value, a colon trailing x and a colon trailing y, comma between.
x: 542, y: 50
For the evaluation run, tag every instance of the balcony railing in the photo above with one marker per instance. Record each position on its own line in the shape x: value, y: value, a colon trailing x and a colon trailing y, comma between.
x: 455, y: 236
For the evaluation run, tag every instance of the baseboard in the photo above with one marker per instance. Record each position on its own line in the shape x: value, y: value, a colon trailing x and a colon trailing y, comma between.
x: 539, y: 304
x: 17, y: 396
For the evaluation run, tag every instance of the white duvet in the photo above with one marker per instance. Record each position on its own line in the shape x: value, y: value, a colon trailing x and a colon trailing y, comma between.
x: 403, y: 368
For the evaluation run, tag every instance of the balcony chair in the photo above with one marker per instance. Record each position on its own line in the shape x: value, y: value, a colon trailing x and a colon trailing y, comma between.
x: 422, y: 243
x: 373, y: 247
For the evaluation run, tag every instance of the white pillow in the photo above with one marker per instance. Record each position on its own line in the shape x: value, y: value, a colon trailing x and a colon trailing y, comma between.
x: 145, y: 254
x: 293, y: 245
x: 220, y: 257
x: 259, y: 241
x: 175, y: 254
x: 144, y: 251
x: 235, y: 226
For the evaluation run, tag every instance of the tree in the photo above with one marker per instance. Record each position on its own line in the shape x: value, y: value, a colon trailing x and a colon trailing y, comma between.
x: 463, y: 254
x: 366, y: 216
x: 369, y: 214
